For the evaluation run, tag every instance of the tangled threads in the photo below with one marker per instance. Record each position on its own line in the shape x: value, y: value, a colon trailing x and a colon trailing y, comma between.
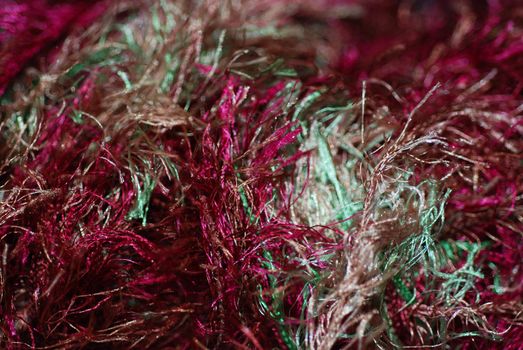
x: 261, y: 174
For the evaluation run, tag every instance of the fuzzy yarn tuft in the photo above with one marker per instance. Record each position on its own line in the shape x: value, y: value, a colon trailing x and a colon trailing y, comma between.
x: 261, y: 174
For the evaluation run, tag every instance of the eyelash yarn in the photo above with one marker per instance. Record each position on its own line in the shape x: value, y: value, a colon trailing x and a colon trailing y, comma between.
x: 206, y: 174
